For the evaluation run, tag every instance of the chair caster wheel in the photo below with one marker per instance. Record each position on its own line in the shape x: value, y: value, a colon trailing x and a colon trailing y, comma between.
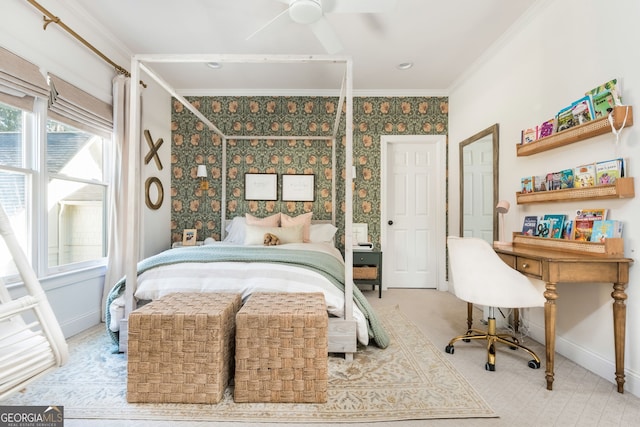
x: 489, y: 366
x: 449, y: 349
x: 533, y: 364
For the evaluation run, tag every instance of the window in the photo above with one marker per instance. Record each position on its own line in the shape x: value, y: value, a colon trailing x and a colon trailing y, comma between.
x: 14, y: 179
x: 73, y: 231
x: 76, y: 195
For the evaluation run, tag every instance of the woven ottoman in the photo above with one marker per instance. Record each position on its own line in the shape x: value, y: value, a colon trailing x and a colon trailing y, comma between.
x: 281, y: 349
x: 181, y: 348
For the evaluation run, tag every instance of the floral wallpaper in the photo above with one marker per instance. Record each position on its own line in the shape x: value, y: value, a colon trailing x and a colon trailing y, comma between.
x: 194, y: 144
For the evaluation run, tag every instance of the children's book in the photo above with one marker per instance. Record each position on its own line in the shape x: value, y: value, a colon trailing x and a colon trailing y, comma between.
x: 593, y: 213
x: 526, y: 184
x: 565, y: 119
x: 530, y: 225
x: 546, y: 128
x: 567, y: 232
x: 605, y: 97
x: 604, y: 229
x: 566, y: 178
x: 529, y: 135
x: 582, y: 110
x: 544, y: 228
x: 540, y: 183
x: 583, y: 223
x: 584, y: 176
x: 603, y: 104
x: 556, y: 224
x: 608, y: 171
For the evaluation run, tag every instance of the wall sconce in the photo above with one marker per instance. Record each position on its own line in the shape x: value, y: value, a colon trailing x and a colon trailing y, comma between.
x: 502, y: 208
x: 202, y: 174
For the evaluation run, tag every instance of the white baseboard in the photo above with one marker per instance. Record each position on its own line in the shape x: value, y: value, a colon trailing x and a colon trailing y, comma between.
x: 588, y: 360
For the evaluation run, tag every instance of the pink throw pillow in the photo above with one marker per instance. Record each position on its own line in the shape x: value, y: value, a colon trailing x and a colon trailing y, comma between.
x: 304, y: 220
x: 270, y: 221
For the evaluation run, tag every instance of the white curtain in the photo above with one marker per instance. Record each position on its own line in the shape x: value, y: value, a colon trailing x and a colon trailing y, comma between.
x: 116, y: 247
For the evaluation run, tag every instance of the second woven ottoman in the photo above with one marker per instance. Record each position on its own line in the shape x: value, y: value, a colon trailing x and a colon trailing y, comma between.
x: 281, y: 349
x: 181, y: 348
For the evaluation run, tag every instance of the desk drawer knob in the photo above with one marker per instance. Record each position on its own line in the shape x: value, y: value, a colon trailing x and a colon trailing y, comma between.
x: 525, y: 265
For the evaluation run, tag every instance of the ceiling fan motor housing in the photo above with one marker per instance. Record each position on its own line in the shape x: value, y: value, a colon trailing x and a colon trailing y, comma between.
x: 305, y: 11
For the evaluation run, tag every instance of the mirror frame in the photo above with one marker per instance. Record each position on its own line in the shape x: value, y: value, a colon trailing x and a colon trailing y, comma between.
x: 491, y: 130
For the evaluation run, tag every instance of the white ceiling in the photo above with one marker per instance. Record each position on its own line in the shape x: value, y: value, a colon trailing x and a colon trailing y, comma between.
x: 443, y: 38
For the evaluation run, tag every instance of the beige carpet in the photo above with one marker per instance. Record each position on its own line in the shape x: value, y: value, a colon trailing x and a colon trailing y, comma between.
x: 410, y: 380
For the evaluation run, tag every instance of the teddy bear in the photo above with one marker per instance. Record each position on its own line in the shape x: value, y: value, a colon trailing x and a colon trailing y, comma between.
x: 271, y: 239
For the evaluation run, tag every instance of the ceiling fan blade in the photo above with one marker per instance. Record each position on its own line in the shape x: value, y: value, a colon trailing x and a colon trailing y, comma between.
x: 358, y: 6
x: 280, y: 17
x: 327, y: 36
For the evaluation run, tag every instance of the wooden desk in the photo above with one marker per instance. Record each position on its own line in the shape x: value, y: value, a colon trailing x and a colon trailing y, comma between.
x: 555, y: 266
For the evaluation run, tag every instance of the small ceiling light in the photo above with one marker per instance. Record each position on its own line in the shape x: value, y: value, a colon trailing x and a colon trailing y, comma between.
x: 214, y: 65
x: 404, y: 65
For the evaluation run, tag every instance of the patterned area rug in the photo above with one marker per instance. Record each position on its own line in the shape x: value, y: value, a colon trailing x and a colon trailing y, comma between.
x: 411, y: 379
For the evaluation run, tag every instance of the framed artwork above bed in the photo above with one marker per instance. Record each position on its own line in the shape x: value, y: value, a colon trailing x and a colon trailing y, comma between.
x: 260, y: 186
x: 298, y: 188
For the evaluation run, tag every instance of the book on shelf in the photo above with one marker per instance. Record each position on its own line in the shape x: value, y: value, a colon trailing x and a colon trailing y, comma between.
x: 608, y: 171
x: 529, y: 135
x: 584, y: 176
x: 566, y: 178
x: 556, y: 224
x: 567, y: 231
x: 565, y: 119
x: 526, y: 184
x: 547, y: 128
x: 539, y: 183
x: 604, y: 229
x: 592, y: 213
x: 605, y: 97
x: 530, y: 225
x: 554, y: 180
x: 583, y: 223
x: 544, y: 228
x: 582, y: 110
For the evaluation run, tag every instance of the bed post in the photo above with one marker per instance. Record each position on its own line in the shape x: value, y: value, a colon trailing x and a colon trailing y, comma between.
x: 348, y: 189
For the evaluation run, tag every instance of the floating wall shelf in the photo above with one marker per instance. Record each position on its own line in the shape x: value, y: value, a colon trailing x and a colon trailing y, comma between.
x: 622, y: 188
x: 578, y: 133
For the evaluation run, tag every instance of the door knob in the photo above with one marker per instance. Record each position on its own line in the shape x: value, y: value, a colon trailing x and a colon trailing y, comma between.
x: 390, y: 222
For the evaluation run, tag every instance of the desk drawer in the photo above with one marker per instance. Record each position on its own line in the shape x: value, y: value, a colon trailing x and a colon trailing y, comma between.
x: 529, y: 266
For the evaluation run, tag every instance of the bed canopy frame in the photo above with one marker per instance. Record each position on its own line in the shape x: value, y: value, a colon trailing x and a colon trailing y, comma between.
x: 344, y: 329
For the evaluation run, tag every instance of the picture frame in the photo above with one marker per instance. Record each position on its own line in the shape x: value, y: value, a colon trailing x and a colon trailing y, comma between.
x: 189, y: 236
x: 260, y: 186
x: 298, y: 188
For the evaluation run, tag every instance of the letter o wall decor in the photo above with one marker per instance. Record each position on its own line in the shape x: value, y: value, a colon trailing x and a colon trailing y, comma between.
x: 147, y: 186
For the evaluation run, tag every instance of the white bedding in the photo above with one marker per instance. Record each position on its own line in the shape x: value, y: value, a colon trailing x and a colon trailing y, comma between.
x: 248, y: 277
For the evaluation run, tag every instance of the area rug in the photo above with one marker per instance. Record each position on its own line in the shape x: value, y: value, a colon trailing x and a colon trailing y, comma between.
x: 409, y: 380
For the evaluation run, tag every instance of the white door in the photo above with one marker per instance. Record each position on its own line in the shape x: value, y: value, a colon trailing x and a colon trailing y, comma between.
x: 413, y: 212
x: 478, y: 194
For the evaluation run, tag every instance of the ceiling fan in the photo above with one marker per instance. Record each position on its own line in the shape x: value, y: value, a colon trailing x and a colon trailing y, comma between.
x: 312, y: 13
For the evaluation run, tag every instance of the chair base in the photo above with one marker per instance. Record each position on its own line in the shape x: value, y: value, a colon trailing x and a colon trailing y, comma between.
x: 492, y: 338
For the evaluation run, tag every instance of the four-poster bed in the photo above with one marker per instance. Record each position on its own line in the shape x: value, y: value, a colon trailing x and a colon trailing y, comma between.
x: 342, y: 330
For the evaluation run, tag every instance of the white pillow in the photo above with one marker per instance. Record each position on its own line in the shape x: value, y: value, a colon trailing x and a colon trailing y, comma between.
x: 322, y: 233
x: 235, y: 231
x: 254, y: 235
x: 303, y: 219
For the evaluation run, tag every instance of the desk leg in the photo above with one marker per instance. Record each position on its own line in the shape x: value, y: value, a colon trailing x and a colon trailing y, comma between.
x: 619, y: 321
x: 550, y: 330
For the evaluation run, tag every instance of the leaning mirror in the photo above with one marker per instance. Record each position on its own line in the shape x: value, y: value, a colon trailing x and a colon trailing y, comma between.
x: 479, y: 185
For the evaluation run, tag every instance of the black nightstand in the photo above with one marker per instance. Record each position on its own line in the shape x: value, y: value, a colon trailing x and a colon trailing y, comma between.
x: 367, y: 269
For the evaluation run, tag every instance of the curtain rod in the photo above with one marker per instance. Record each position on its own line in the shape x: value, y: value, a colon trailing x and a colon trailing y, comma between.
x: 49, y: 18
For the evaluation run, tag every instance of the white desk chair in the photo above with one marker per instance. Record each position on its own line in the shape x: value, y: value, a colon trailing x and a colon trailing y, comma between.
x: 31, y: 340
x: 479, y: 276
